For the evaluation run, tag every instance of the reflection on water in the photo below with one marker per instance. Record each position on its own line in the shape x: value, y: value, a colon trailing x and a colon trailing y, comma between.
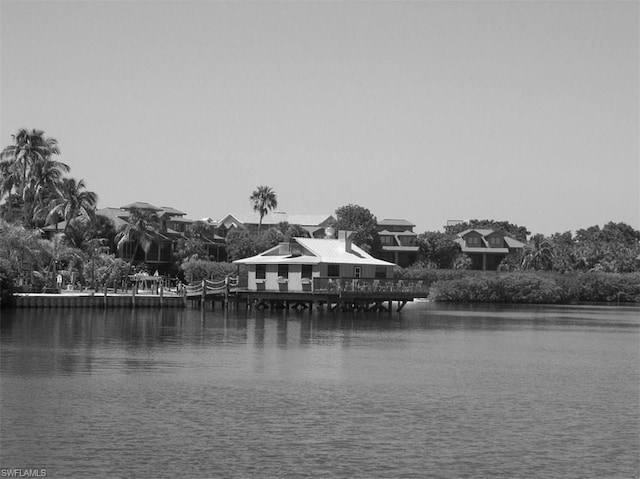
x: 434, y: 391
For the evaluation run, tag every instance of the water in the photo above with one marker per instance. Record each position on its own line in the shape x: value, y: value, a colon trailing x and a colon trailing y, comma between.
x: 442, y: 392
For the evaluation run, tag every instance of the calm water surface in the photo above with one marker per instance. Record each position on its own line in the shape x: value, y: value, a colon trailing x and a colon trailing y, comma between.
x: 442, y: 392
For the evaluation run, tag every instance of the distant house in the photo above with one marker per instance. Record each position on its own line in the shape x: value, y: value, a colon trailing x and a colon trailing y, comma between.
x: 314, y: 224
x: 292, y: 266
x: 160, y: 254
x: 172, y: 228
x: 397, y: 242
x: 487, y: 247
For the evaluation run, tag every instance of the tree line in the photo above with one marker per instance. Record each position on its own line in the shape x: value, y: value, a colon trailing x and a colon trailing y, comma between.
x: 36, y: 190
x: 614, y: 248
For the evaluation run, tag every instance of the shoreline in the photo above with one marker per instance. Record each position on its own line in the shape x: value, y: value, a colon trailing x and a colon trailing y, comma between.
x: 91, y: 299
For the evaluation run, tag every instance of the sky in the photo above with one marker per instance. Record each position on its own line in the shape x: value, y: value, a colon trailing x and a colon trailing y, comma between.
x: 523, y: 111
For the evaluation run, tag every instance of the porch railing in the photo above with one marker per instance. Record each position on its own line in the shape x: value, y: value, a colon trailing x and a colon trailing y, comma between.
x: 341, y: 285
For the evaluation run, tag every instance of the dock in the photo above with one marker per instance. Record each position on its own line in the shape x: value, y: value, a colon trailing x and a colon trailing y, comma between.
x: 96, y: 300
x: 332, y: 294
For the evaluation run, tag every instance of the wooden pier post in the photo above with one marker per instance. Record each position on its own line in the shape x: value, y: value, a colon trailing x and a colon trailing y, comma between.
x: 226, y: 292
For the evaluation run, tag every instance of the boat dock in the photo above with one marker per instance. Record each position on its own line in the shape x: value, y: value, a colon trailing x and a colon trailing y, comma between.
x: 97, y: 300
x: 332, y: 294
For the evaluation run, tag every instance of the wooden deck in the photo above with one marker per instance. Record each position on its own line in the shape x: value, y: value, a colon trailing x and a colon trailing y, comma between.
x: 334, y: 294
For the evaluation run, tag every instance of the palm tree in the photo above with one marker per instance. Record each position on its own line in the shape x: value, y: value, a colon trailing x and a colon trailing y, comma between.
x: 60, y: 252
x: 22, y: 163
x: 29, y: 149
x: 45, y: 182
x: 19, y: 246
x: 8, y: 181
x: 263, y: 200
x: 8, y: 178
x: 538, y: 254
x: 72, y: 200
x: 141, y: 227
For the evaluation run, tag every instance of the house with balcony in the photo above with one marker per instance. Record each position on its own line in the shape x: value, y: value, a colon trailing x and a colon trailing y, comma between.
x: 314, y: 224
x: 397, y: 242
x: 159, y: 256
x: 487, y: 248
x: 171, y: 228
x: 294, y: 265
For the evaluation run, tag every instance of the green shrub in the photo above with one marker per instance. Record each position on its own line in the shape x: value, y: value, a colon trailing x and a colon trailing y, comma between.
x: 498, y: 288
x: 608, y: 287
x: 195, y: 270
x: 524, y: 286
x: 8, y: 278
x: 430, y: 275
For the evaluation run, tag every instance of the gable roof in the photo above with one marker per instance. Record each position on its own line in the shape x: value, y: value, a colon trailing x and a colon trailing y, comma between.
x: 117, y: 216
x: 229, y: 220
x: 397, y: 233
x: 395, y: 222
x: 510, y: 242
x: 168, y: 210
x: 480, y: 231
x: 316, y: 251
x: 513, y: 243
x: 276, y: 217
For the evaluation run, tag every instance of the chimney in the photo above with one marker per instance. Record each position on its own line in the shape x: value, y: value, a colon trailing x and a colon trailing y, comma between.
x: 346, y: 238
x: 329, y: 232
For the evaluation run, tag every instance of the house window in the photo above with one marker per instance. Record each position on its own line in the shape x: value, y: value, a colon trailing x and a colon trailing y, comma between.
x: 333, y: 270
x: 473, y: 241
x: 381, y: 272
x: 307, y: 270
x: 495, y: 241
x: 357, y: 272
x: 261, y: 271
x: 283, y: 271
x: 409, y: 241
x: 386, y: 240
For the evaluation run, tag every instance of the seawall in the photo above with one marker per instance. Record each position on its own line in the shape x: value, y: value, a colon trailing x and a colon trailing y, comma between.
x: 32, y: 300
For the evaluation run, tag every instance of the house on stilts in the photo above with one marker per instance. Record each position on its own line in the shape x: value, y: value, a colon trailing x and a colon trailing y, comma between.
x: 330, y: 271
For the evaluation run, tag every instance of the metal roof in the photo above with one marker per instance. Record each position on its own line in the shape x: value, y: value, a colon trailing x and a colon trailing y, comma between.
x: 277, y: 217
x: 317, y: 251
x: 285, y: 259
x: 395, y: 222
x: 171, y: 211
x: 513, y: 243
x: 397, y: 233
x: 483, y: 232
x: 116, y: 215
x: 400, y: 248
x: 333, y: 251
